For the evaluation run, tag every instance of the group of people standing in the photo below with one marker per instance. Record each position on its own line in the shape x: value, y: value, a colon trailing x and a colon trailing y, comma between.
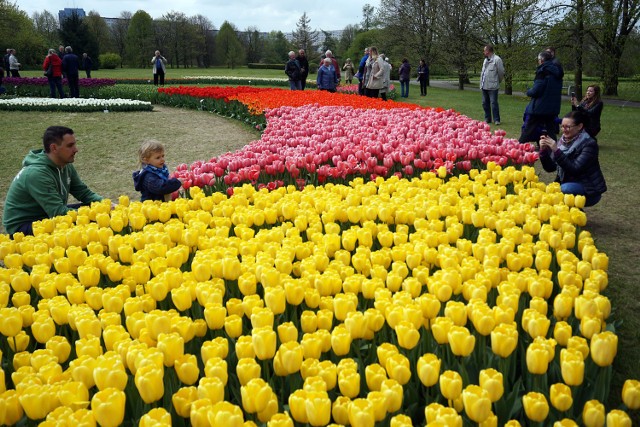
x: 10, y: 64
x: 574, y: 154
x: 65, y: 63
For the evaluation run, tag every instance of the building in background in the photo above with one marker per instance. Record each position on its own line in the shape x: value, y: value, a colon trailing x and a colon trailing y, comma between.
x: 68, y: 11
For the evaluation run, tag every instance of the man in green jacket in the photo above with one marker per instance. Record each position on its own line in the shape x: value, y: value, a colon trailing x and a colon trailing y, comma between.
x: 41, y: 189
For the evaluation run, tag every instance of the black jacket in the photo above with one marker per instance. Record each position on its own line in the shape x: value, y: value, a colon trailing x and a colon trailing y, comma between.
x: 581, y: 166
x: 152, y: 186
x: 292, y: 69
x: 593, y: 113
x: 304, y: 66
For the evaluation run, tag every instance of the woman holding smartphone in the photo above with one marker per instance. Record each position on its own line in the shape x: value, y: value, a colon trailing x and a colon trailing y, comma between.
x: 592, y: 105
x: 575, y: 159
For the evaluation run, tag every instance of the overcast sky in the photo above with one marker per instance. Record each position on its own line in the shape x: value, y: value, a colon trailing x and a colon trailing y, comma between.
x: 267, y: 15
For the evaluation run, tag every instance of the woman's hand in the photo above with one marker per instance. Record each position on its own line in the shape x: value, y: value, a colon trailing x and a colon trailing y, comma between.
x: 546, y: 142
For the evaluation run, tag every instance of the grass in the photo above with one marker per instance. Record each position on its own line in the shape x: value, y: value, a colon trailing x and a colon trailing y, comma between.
x: 108, y: 144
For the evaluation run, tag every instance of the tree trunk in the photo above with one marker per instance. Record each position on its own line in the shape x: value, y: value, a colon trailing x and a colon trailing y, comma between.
x: 508, y: 84
x: 578, y: 49
x: 610, y: 77
x: 461, y: 79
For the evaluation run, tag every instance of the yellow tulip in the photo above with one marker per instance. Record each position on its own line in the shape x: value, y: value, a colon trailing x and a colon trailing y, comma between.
x: 631, y: 394
x: 225, y: 414
x: 108, y: 407
x: 148, y: 380
x: 461, y: 341
x: 349, y: 383
x: 375, y: 374
x: 109, y: 372
x: 340, y: 410
x: 74, y: 394
x: 562, y: 331
x: 244, y: 347
x: 20, y: 342
x: 264, y: 342
x: 536, y: 406
x: 247, y: 369
x: 290, y: 355
x: 560, y: 396
x: 215, y: 315
x: 43, y: 329
x: 450, y: 385
x: 212, y: 389
x: 287, y: 332
x: 537, y: 358
x: 308, y: 321
x: 401, y: 421
x: 157, y: 417
x: 297, y: 406
x: 88, y: 275
x: 491, y: 380
x: 275, y: 299
x: 11, y: 321
x: 593, y: 414
x: 261, y: 317
x: 429, y: 369
x: 186, y: 366
x: 38, y: 400
x: 440, y: 328
x: 280, y: 420
x: 217, y: 367
x: 477, y: 403
x: 182, y: 400
x: 233, y: 326
x: 362, y: 413
x: 172, y: 347
x: 618, y: 418
x: 255, y: 395
x: 604, y: 347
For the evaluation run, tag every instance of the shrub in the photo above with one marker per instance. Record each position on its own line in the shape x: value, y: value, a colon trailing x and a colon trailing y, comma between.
x: 258, y: 66
x: 313, y: 68
x: 109, y: 61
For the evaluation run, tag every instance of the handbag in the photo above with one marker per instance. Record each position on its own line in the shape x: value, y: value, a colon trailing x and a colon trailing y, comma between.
x: 49, y: 72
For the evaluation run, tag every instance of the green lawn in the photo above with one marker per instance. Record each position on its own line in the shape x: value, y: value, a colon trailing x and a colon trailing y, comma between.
x: 612, y: 221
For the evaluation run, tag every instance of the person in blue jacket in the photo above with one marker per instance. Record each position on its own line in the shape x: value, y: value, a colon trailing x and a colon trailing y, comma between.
x: 152, y: 180
x: 71, y: 67
x: 327, y: 79
x: 544, y: 106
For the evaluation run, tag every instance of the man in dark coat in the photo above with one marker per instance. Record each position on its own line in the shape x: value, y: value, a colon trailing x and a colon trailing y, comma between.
x: 545, y: 102
x: 87, y: 64
x: 304, y: 67
x: 71, y: 66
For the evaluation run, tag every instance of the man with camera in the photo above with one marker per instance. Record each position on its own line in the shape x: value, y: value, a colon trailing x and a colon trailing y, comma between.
x: 159, y: 63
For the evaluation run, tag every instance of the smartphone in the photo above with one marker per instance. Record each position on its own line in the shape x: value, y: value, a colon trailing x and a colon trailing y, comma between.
x: 573, y: 94
x: 544, y: 132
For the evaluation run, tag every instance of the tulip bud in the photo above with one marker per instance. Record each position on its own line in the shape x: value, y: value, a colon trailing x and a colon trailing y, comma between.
x: 341, y: 340
x: 264, y: 342
x: 491, y: 381
x: 535, y: 406
x: 461, y: 341
x: 618, y: 418
x: 450, y: 385
x: 255, y: 395
x: 340, y: 410
x: 247, y: 369
x: 225, y: 414
x: 182, y: 400
x: 149, y: 382
x: 108, y: 407
x: 297, y: 406
x: 604, y: 347
x: 349, y: 383
x: 560, y: 396
x: 290, y: 355
x: 477, y: 404
x: 361, y: 413
x: 537, y: 358
x: 233, y: 326
x: 631, y: 394
x: 318, y: 408
x: 11, y: 321
x: 408, y: 335
x: 186, y: 367
x: 217, y: 367
x: 429, y: 369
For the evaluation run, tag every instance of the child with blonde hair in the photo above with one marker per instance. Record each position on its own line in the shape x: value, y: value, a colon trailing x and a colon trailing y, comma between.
x: 152, y: 180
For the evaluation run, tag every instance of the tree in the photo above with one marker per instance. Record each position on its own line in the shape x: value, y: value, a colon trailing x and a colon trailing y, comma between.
x: 46, y: 25
x: 305, y: 38
x: 100, y: 30
x: 253, y: 44
x: 75, y: 32
x: 228, y: 46
x: 368, y: 17
x: 361, y: 41
x: 119, y: 32
x: 329, y: 43
x: 412, y: 24
x: 346, y: 39
x: 17, y: 31
x: 616, y: 21
x: 205, y: 29
x: 140, y: 39
x: 179, y: 37
x: 459, y: 25
x: 276, y: 48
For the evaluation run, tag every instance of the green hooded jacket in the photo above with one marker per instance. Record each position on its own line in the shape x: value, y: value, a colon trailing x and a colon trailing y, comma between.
x: 41, y: 190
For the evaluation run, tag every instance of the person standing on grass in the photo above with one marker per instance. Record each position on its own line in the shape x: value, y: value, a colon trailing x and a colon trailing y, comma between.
x: 592, y: 106
x: 52, y: 66
x: 334, y: 62
x: 14, y: 65
x: 404, y: 74
x: 361, y: 74
x: 304, y: 68
x: 375, y: 73
x: 71, y: 66
x: 326, y: 79
x: 490, y: 78
x: 87, y: 64
x: 42, y: 187
x: 386, y: 82
x: 159, y: 64
x: 6, y: 63
x: 423, y: 77
x: 544, y: 107
x: 152, y: 180
x: 348, y: 71
x: 292, y: 69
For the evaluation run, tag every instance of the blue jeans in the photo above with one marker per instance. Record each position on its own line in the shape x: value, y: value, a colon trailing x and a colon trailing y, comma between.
x: 404, y: 88
x: 490, y: 104
x: 577, y: 188
x: 55, y: 83
x: 295, y: 84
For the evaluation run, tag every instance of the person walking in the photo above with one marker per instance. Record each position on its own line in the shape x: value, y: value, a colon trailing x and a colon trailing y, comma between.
x: 490, y: 78
x: 544, y: 106
x: 52, y: 67
x: 159, y: 63
x: 423, y: 77
x: 87, y: 64
x: 292, y: 69
x: 404, y: 74
x: 71, y: 66
x: 14, y: 65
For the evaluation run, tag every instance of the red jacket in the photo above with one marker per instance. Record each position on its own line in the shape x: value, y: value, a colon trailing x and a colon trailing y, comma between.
x: 55, y: 62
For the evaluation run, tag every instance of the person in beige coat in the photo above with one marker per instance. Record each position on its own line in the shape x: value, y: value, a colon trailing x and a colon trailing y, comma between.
x: 376, y: 76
